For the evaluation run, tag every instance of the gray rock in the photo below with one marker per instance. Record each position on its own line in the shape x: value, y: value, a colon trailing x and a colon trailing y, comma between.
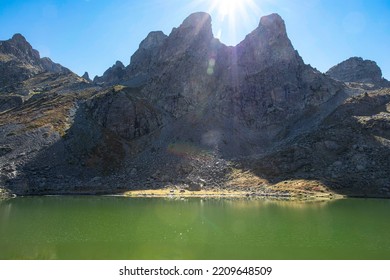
x: 112, y: 75
x: 355, y: 69
x: 133, y: 172
x: 86, y: 77
x: 194, y: 187
x: 165, y: 178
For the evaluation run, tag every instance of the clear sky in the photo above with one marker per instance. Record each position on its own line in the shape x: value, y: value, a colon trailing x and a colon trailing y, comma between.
x: 90, y: 35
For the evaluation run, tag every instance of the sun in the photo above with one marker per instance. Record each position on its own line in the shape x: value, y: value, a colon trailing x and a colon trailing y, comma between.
x: 226, y: 7
x: 232, y: 15
x: 232, y: 8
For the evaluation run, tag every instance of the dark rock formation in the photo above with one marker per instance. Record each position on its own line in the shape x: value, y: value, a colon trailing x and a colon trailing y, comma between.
x: 355, y: 69
x: 123, y: 113
x: 143, y: 61
x: 86, y: 77
x: 112, y: 75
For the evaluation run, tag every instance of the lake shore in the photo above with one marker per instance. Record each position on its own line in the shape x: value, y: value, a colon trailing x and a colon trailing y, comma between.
x: 288, y: 190
x: 291, y: 189
x: 166, y: 193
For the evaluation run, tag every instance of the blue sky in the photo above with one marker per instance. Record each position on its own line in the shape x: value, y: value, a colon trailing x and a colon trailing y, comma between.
x: 90, y: 35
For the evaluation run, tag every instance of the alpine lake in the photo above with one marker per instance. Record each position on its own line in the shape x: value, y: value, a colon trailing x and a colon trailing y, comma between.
x: 108, y: 227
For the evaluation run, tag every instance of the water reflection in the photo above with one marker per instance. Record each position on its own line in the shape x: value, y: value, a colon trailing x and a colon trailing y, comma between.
x: 193, y: 228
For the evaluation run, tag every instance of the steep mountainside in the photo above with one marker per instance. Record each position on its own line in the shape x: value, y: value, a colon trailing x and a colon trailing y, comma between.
x: 190, y: 112
x: 349, y: 151
x: 254, y: 89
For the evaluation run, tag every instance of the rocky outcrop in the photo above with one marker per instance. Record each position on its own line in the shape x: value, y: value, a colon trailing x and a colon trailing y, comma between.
x: 86, y: 77
x: 112, y: 75
x: 143, y: 62
x: 123, y: 113
x: 355, y: 69
x: 19, y: 48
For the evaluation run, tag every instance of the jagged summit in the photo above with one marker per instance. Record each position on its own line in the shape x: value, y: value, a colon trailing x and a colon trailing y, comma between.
x: 18, y: 47
x: 274, y: 24
x: 267, y: 46
x: 154, y: 39
x: 199, y: 21
x: 20, y: 40
x: 18, y: 37
x: 119, y: 64
x: 357, y: 69
x: 112, y: 75
x: 267, y: 43
x: 86, y: 76
x: 196, y: 26
x: 19, y: 61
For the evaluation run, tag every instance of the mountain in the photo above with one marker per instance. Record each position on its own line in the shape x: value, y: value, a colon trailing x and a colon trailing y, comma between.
x: 24, y: 74
x: 263, y: 80
x: 189, y: 112
x: 357, y: 70
x: 19, y: 61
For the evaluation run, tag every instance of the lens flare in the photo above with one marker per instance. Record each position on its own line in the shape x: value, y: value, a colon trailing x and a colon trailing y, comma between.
x: 232, y: 15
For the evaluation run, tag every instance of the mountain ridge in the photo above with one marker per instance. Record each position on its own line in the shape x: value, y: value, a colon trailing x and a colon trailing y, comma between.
x: 191, y: 113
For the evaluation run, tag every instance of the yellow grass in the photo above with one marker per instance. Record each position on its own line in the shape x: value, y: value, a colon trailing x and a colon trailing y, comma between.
x: 241, y: 178
x: 166, y: 192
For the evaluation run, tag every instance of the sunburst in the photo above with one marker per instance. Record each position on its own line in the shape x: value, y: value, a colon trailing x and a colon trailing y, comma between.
x: 234, y: 13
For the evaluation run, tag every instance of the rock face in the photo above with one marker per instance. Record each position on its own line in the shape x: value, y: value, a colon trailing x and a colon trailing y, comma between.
x: 144, y: 59
x: 349, y: 150
x: 263, y: 80
x: 188, y: 111
x: 355, y: 69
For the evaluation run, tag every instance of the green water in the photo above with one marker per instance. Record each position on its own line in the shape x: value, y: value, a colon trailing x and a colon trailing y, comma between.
x: 135, y: 228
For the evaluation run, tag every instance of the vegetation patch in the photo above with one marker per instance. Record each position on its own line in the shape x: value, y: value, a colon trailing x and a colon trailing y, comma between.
x: 244, y: 179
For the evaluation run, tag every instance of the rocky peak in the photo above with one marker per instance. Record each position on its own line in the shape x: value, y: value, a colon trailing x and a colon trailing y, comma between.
x: 273, y: 25
x: 356, y: 69
x: 147, y: 51
x: 196, y: 25
x: 142, y: 62
x: 193, y: 35
x: 267, y: 44
x: 112, y: 75
x: 18, y: 47
x: 19, y: 39
x: 86, y: 77
x: 200, y: 22
x: 153, y: 40
x: 119, y: 64
x: 19, y: 61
